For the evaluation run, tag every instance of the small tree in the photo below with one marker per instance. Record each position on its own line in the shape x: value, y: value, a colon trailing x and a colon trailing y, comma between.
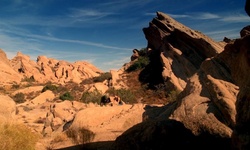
x: 19, y: 98
x: 66, y: 96
x: 51, y: 87
x: 93, y: 97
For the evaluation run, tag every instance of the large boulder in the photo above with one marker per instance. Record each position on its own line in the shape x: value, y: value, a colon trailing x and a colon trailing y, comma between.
x: 8, y: 107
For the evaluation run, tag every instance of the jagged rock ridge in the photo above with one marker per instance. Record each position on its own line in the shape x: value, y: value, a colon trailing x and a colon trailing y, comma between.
x: 210, y: 75
x: 44, y: 69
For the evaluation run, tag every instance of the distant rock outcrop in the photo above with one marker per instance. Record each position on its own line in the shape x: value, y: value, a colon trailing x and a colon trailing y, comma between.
x: 45, y: 69
x: 211, y: 77
x: 7, y: 73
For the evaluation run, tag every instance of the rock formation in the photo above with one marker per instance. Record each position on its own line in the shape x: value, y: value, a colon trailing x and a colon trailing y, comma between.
x: 180, y: 49
x: 247, y: 7
x: 241, y: 47
x: 7, y: 73
x: 211, y: 78
x: 21, y: 67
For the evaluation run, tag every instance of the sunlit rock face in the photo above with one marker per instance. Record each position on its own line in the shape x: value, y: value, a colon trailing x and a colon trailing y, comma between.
x: 22, y: 68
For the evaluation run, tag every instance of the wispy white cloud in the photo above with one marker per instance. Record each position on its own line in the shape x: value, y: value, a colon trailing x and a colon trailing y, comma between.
x: 117, y: 63
x: 223, y: 16
x: 206, y: 16
x: 79, y: 13
x: 219, y: 34
x: 34, y: 37
x: 179, y: 16
x: 236, y: 18
x: 100, y: 45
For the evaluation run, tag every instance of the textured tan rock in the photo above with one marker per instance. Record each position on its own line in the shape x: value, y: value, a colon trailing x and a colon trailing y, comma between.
x: 181, y: 49
x: 8, y: 75
x: 208, y: 76
x: 44, y: 69
x: 8, y: 107
x: 109, y: 121
x: 43, y: 97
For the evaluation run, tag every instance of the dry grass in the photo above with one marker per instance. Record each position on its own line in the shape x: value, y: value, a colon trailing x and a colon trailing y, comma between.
x: 80, y: 135
x: 15, y: 136
x: 142, y: 91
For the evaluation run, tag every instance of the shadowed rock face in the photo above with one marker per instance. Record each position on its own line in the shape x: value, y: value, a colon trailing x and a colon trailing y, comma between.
x: 207, y: 104
x: 180, y: 49
x: 247, y: 7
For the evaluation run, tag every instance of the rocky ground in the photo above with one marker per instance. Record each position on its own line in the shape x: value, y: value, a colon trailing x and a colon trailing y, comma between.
x: 47, y: 117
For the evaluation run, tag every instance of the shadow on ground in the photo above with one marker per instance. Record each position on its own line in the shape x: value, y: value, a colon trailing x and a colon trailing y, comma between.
x: 102, y: 145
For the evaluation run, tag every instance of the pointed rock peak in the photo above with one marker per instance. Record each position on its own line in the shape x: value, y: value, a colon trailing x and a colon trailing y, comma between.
x: 21, y: 55
x: 2, y: 54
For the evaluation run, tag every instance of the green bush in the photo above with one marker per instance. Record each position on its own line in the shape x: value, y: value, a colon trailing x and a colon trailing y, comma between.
x: 93, y: 97
x: 51, y: 87
x: 66, y: 96
x: 126, y: 95
x: 172, y: 95
x: 140, y: 63
x: 15, y: 136
x: 143, y: 52
x: 19, y: 98
x: 103, y: 77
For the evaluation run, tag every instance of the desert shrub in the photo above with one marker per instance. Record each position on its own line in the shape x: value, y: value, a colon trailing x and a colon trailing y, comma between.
x: 93, y: 97
x: 51, y: 87
x: 143, y: 52
x: 140, y: 63
x: 87, y: 81
x: 80, y: 135
x: 15, y: 86
x: 28, y: 79
x: 19, y: 98
x: 66, y: 96
x: 102, y: 77
x: 15, y: 136
x: 172, y: 95
x: 126, y: 95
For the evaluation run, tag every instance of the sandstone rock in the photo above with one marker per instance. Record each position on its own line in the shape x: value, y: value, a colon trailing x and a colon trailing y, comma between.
x: 117, y: 80
x: 210, y: 79
x: 8, y: 107
x: 8, y: 75
x: 102, y: 88
x: 245, y: 31
x: 44, y: 69
x: 247, y: 7
x: 240, y: 73
x: 107, y: 120
x: 43, y: 97
x: 135, y: 55
x: 63, y: 110
x: 181, y: 49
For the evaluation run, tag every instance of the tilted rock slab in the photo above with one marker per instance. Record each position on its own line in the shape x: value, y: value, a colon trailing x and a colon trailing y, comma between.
x: 207, y: 105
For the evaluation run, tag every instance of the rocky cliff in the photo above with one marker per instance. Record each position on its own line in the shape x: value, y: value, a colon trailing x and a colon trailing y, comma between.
x: 212, y: 77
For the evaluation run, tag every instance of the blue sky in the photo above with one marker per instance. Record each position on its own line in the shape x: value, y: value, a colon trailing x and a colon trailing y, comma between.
x: 104, y: 32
